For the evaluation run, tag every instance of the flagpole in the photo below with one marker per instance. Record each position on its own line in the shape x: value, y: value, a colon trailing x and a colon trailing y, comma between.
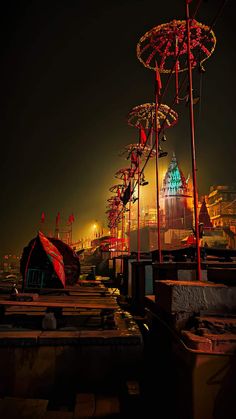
x: 129, y: 221
x: 138, y: 208
x: 122, y: 239
x: 42, y: 221
x: 57, y: 226
x: 176, y: 71
x: 194, y: 168
x: 71, y: 233
x: 157, y: 171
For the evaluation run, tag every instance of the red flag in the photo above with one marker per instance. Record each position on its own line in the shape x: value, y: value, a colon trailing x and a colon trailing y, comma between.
x: 42, y: 217
x: 143, y: 137
x: 158, y: 81
x: 71, y: 218
x: 57, y: 219
x: 54, y: 256
x: 191, y: 240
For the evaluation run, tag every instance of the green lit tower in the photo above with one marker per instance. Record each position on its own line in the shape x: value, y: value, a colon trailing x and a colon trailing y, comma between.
x: 177, y: 198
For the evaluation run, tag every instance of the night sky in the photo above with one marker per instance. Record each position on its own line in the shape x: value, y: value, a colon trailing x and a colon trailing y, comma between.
x: 70, y: 76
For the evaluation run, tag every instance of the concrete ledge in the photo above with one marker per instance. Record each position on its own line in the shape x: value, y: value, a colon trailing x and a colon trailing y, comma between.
x: 195, y: 296
x: 194, y: 341
x: 225, y: 343
x: 216, y: 324
x: 220, y: 343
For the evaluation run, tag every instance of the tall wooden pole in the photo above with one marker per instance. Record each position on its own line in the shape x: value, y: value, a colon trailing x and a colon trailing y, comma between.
x: 129, y: 226
x: 194, y: 168
x: 71, y: 241
x: 138, y: 209
x: 122, y: 238
x: 157, y: 175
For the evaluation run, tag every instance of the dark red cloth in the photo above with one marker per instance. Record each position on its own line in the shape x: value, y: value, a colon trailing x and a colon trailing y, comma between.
x: 54, y: 256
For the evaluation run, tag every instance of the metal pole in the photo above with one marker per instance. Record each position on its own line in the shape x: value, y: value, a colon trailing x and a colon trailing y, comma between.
x: 194, y: 169
x: 129, y: 226
x: 71, y: 241
x: 116, y: 241
x: 122, y: 231
x: 122, y: 239
x: 176, y: 71
x: 138, y: 209
x: 157, y: 177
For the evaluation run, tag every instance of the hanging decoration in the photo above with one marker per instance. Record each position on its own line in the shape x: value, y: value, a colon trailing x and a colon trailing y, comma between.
x: 143, y: 116
x: 165, y: 48
x: 165, y: 42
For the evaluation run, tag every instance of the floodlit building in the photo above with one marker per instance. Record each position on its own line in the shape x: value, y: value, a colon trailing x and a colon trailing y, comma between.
x: 222, y: 206
x: 176, y: 196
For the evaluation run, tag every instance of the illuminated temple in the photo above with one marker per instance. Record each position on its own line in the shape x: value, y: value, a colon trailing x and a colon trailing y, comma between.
x: 217, y: 212
x: 176, y: 212
x: 176, y: 197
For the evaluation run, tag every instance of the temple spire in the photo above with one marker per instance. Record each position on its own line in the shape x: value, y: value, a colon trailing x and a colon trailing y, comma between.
x: 204, y: 215
x: 174, y: 182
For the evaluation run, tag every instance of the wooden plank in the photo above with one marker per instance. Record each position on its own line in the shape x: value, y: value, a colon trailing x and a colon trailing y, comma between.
x: 85, y: 298
x: 23, y: 296
x: 69, y: 298
x: 17, y: 334
x: 64, y: 298
x: 93, y: 295
x: 76, y: 305
x: 78, y: 302
x: 98, y: 280
x: 89, y: 281
x: 81, y: 288
x: 78, y: 294
x: 75, y: 287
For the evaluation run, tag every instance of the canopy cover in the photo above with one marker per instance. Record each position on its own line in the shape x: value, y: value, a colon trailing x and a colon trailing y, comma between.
x: 54, y: 256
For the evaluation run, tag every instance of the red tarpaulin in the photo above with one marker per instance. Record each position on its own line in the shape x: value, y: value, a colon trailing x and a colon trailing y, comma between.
x: 191, y: 240
x: 54, y: 256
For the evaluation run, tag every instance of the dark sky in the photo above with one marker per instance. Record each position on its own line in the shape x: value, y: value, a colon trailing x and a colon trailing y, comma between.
x: 69, y: 77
